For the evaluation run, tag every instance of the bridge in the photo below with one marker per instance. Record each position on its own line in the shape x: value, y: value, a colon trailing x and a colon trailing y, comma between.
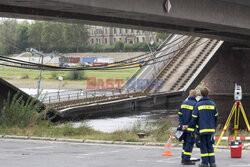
x: 226, y: 20
x: 215, y: 53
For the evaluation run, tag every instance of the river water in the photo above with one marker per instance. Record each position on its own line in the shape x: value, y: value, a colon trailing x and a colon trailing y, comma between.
x: 118, y: 122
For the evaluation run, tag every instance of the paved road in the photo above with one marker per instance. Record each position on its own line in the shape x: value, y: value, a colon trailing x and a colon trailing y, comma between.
x: 18, y: 153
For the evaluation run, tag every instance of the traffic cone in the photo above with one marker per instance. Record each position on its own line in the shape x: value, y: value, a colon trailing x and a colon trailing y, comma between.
x: 167, y: 151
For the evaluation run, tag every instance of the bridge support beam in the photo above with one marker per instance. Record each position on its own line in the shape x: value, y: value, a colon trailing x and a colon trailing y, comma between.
x: 233, y: 66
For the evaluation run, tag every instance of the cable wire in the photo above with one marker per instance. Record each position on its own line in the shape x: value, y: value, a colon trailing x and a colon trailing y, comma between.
x: 88, y: 68
x: 55, y: 68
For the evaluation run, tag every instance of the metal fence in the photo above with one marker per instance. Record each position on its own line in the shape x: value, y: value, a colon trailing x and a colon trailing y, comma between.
x: 160, y: 59
x: 77, y: 94
x: 171, y: 44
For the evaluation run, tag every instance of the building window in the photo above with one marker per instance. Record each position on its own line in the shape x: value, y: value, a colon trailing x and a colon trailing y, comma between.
x: 126, y: 40
x: 106, y: 41
x: 138, y: 31
x: 114, y: 30
x: 137, y: 39
x: 120, y: 31
x: 120, y: 39
x: 132, y: 31
x: 126, y: 31
x: 99, y: 40
x: 96, y: 40
x: 143, y: 39
x: 92, y: 41
x: 106, y: 31
x: 131, y: 42
x: 114, y: 40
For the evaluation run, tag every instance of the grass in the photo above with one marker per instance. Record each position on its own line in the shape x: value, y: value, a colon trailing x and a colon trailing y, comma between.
x: 28, y: 78
x: 157, y: 131
x: 9, y: 73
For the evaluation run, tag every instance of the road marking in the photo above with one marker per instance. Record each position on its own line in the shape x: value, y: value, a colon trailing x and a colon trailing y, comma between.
x: 100, y: 153
x: 42, y: 147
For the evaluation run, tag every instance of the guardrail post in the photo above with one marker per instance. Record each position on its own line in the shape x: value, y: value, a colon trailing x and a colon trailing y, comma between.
x: 77, y: 96
x: 68, y: 96
x: 86, y: 94
x: 59, y: 98
x: 113, y: 92
x: 49, y: 99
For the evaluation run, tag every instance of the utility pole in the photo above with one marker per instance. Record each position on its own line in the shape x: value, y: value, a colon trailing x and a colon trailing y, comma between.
x: 40, y: 73
x: 152, y: 52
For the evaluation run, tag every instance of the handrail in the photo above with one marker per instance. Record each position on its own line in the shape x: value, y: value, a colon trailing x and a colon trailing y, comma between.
x: 78, y: 94
x: 142, y: 68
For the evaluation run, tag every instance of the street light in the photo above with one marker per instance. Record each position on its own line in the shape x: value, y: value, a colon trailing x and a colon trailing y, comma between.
x: 60, y: 78
x: 40, y: 74
x: 152, y: 52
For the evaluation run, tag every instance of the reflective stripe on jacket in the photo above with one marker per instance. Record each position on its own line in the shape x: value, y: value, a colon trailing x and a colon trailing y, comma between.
x: 205, y: 115
x: 185, y: 112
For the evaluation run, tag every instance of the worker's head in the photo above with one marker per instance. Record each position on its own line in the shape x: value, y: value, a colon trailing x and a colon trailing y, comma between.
x: 192, y: 93
x: 204, y: 91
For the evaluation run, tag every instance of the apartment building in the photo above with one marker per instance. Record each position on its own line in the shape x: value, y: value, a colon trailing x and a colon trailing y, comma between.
x: 109, y: 35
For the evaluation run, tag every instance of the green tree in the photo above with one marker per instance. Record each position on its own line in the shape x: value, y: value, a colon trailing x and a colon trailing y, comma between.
x: 35, y: 34
x: 119, y: 46
x: 8, y: 36
x: 76, y: 36
x: 162, y: 36
x: 22, y: 37
x: 52, y: 36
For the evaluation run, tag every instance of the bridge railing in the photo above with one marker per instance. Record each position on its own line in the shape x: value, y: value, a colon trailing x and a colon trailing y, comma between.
x: 148, y: 73
x: 163, y: 57
x: 78, y: 94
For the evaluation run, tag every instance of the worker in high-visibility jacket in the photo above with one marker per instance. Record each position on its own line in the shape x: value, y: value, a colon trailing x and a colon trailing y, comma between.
x: 185, y: 116
x: 205, y: 115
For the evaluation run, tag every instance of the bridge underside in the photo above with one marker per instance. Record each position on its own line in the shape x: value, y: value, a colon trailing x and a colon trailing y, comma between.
x: 220, y: 19
x: 233, y: 66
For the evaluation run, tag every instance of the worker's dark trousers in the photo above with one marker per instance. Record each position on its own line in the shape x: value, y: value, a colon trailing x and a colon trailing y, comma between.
x: 207, y: 150
x: 187, y: 146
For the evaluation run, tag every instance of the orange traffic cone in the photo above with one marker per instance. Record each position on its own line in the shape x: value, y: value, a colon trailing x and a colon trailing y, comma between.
x: 167, y: 151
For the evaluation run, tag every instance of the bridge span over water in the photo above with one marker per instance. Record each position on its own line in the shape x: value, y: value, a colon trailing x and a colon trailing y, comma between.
x: 182, y: 64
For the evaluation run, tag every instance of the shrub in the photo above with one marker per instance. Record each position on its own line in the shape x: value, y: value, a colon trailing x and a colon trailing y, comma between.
x: 119, y: 46
x: 53, y: 75
x: 25, y: 76
x: 17, y: 112
x: 76, y: 75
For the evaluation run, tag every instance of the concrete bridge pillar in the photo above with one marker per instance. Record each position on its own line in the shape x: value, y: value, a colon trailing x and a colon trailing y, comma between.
x: 233, y: 66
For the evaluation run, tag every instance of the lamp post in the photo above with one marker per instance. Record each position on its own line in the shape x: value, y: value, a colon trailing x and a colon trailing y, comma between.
x: 60, y: 78
x: 40, y: 73
x: 151, y: 43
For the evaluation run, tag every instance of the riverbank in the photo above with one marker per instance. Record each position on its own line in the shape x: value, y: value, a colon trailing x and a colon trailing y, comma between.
x: 158, y: 131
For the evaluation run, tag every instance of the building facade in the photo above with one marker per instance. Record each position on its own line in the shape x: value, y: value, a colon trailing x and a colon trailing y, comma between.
x: 109, y: 35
